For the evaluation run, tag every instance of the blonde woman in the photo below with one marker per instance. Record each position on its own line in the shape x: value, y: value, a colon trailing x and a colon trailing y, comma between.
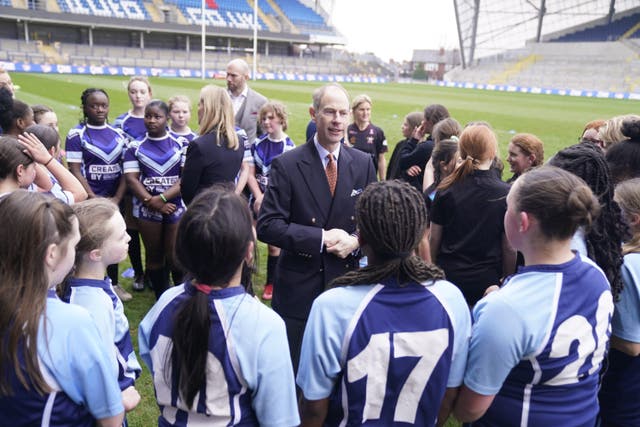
x: 216, y: 155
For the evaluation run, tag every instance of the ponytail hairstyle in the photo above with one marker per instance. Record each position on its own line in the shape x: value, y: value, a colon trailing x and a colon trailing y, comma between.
x: 628, y: 197
x: 46, y: 134
x: 211, y: 244
x: 623, y: 158
x: 446, y: 129
x: 217, y: 116
x: 610, y: 133
x: 478, y: 143
x: 392, y: 237
x: 83, y: 101
x: 12, y: 155
x: 444, y: 151
x: 31, y: 222
x: 607, y: 231
x: 559, y: 200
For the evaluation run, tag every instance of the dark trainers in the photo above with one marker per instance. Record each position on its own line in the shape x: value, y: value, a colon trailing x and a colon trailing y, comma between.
x: 267, y: 294
x: 122, y: 294
x: 138, y: 283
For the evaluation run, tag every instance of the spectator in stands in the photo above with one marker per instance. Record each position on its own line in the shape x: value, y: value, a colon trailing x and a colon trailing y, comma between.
x: 132, y: 124
x: 15, y: 115
x: 216, y: 155
x: 467, y: 230
x: 365, y: 136
x: 624, y: 157
x: 448, y: 128
x: 180, y: 114
x: 6, y: 82
x: 410, y: 123
x: 246, y: 101
x: 525, y: 151
x: 416, y: 152
x: 601, y: 242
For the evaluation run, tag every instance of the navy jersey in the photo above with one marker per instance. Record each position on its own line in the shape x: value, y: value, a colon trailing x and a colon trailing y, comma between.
x: 370, y: 140
x: 262, y: 152
x: 538, y: 345
x: 80, y: 373
x: 132, y: 126
x: 385, y: 354
x: 106, y: 309
x: 249, y: 379
x: 99, y: 150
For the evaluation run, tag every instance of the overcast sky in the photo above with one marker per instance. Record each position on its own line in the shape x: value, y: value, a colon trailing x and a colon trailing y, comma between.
x: 393, y: 33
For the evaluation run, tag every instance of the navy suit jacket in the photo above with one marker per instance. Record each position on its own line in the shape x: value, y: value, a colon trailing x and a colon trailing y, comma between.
x: 297, y: 206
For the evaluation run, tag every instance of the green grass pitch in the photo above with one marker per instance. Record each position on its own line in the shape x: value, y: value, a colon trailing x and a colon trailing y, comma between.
x: 557, y: 120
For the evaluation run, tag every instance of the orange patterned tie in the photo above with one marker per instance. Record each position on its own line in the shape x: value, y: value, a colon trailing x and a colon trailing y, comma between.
x: 332, y: 173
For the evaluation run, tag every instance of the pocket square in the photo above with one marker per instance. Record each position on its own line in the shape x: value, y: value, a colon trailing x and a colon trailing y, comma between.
x: 356, y: 192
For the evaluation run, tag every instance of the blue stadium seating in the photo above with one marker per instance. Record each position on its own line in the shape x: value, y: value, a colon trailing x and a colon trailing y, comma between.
x: 230, y: 13
x: 603, y: 32
x: 5, y: 3
x: 131, y: 9
x: 301, y: 15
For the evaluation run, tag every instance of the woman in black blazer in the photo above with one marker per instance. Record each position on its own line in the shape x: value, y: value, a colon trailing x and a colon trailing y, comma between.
x: 216, y: 155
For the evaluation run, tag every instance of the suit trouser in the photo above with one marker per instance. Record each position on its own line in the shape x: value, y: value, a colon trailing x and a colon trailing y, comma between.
x: 295, y: 331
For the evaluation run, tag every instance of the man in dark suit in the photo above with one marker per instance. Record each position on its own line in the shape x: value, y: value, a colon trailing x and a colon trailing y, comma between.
x: 313, y: 223
x: 246, y: 102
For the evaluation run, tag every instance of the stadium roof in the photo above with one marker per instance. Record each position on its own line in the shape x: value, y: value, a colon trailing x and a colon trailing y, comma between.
x: 488, y: 27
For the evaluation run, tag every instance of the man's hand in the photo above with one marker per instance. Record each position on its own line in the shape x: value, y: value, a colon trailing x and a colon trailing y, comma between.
x: 339, y: 242
x: 130, y: 398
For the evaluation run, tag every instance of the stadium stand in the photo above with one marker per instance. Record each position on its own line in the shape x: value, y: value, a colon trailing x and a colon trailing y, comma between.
x: 128, y: 9
x: 624, y: 27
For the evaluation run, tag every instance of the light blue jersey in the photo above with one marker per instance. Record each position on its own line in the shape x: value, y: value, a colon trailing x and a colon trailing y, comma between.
x: 385, y: 353
x: 249, y: 379
x: 81, y: 375
x: 620, y: 392
x: 538, y: 345
x: 98, y: 297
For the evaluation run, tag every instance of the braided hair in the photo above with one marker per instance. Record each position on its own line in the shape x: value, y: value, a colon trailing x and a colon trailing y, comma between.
x: 391, y: 218
x: 608, y: 230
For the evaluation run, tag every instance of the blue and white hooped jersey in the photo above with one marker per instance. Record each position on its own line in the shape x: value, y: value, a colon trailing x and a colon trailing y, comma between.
x: 132, y: 126
x: 99, y: 150
x: 249, y: 379
x: 74, y: 364
x: 158, y: 160
x: 106, y: 309
x: 261, y: 154
x: 385, y: 354
x: 538, y: 345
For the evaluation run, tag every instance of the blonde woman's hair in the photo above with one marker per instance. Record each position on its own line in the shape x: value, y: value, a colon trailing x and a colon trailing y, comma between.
x: 628, y: 197
x: 611, y: 131
x: 278, y: 109
x: 360, y: 99
x: 217, y: 115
